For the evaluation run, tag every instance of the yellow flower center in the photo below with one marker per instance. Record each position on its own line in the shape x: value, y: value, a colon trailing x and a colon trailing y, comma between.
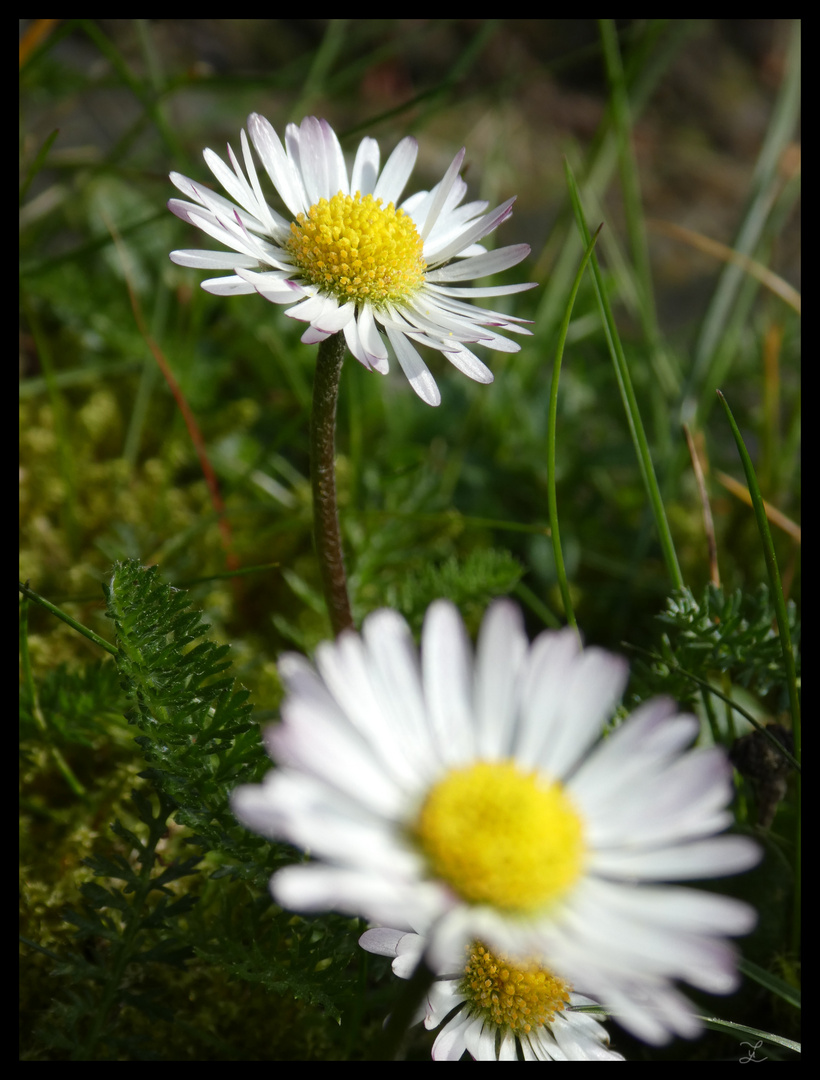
x: 517, y: 995
x: 359, y: 250
x: 500, y: 836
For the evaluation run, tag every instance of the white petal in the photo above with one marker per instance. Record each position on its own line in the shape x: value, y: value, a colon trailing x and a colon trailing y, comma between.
x: 651, y: 932
x: 335, y: 319
x: 279, y: 168
x: 227, y: 286
x: 391, y: 660
x: 423, y: 311
x: 210, y: 204
x: 320, y: 744
x: 652, y: 735
x: 688, y: 798
x: 275, y: 224
x: 384, y: 941
x: 274, y: 287
x: 365, y: 167
x: 321, y: 160
x: 479, y: 1038
x: 472, y: 313
x: 470, y: 235
x: 450, y: 1044
x: 589, y: 693
x: 316, y: 887
x: 317, y: 310
x: 371, y: 339
x: 441, y: 192
x: 346, y: 670
x: 447, y: 666
x: 212, y: 260
x: 353, y: 342
x: 652, y: 1011
x: 303, y: 811
x: 502, y: 648
x: 507, y: 1050
x: 393, y: 319
x: 481, y: 265
x: 468, y: 293
x: 313, y: 335
x: 396, y: 172
x: 469, y: 364
x: 548, y: 663
x: 451, y: 217
x: 453, y: 222
x: 581, y: 1037
x: 714, y: 857
x: 224, y: 230
x: 442, y: 997
x: 365, y: 343
x: 236, y: 185
x: 414, y: 368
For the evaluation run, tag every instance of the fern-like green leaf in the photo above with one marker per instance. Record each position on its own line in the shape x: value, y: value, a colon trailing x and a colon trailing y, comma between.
x: 196, y: 730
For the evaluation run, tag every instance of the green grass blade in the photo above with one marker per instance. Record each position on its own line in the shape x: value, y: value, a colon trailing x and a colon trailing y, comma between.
x: 785, y: 637
x: 30, y: 594
x: 773, y: 983
x: 764, y: 187
x: 552, y: 500
x: 630, y: 182
x: 630, y: 403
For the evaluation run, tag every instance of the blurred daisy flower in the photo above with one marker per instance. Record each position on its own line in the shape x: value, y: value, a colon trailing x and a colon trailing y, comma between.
x: 346, y: 256
x: 469, y: 798
x: 497, y: 1009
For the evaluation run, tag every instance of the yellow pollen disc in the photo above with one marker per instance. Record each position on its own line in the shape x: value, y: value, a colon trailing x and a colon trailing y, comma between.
x: 359, y: 250
x: 513, y: 994
x: 501, y: 836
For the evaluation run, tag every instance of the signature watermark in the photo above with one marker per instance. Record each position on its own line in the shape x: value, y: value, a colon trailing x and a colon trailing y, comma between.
x: 753, y: 1047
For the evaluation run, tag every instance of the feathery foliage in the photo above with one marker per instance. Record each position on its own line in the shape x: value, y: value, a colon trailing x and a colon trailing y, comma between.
x: 734, y: 635
x: 199, y: 740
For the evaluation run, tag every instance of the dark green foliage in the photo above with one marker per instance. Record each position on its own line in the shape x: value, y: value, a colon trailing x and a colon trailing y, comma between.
x: 290, y: 958
x: 77, y: 702
x: 123, y: 930
x: 200, y: 741
x: 197, y: 731
x: 470, y: 584
x: 735, y: 635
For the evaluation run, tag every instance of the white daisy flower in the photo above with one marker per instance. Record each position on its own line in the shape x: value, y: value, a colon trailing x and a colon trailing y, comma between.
x: 347, y: 257
x: 469, y: 798
x: 496, y: 1009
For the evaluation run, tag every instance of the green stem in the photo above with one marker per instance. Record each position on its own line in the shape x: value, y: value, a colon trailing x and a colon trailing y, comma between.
x: 630, y: 403
x: 323, y: 481
x: 779, y: 600
x: 630, y: 183
x: 775, y: 584
x: 30, y: 594
x: 36, y: 712
x: 390, y: 1046
x: 552, y: 499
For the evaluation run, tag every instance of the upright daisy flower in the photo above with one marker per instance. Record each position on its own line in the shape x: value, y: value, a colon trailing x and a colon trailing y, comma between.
x: 345, y: 256
x: 496, y: 1009
x: 471, y: 799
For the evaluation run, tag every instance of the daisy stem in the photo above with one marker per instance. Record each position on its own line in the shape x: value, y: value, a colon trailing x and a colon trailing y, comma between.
x: 413, y: 993
x: 323, y: 481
